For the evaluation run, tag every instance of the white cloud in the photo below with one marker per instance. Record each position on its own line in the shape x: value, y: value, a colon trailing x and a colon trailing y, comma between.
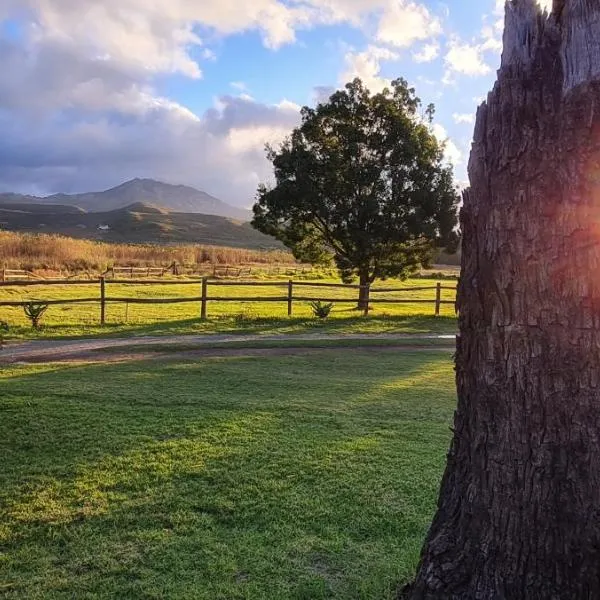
x: 129, y: 32
x: 157, y: 35
x: 452, y: 152
x: 403, y: 23
x: 221, y: 152
x: 426, y: 80
x: 247, y: 140
x: 367, y: 66
x: 72, y: 124
x: 79, y: 108
x: 466, y: 58
x: 463, y: 118
x: 427, y: 53
x: 449, y: 78
x: 491, y: 40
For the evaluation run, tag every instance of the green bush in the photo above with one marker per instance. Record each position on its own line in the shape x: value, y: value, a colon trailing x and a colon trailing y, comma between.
x: 34, y: 311
x: 321, y: 310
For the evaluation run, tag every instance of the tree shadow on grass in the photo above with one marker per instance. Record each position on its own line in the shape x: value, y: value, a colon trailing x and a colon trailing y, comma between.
x: 235, y: 478
x: 416, y: 324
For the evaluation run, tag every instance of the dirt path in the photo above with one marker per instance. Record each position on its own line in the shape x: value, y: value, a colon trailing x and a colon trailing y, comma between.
x: 205, y: 345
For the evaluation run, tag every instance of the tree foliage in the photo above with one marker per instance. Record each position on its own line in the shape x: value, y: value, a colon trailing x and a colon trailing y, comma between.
x: 362, y: 181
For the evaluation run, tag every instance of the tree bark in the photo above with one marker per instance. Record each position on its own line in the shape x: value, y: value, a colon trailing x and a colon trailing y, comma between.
x: 363, y: 293
x: 519, y: 509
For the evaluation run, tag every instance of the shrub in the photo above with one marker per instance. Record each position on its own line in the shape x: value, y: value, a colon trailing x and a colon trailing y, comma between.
x: 321, y: 310
x: 34, y: 311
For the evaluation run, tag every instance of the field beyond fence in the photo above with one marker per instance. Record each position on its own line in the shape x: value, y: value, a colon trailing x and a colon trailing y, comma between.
x: 33, y: 252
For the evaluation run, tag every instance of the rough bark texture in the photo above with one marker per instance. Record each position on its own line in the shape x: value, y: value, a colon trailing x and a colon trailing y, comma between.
x: 519, y: 510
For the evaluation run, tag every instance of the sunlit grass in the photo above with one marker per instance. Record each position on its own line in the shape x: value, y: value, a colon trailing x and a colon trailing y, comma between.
x: 280, y: 478
x: 223, y: 317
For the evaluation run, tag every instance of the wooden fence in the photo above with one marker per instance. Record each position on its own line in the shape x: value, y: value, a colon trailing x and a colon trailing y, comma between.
x: 16, y: 275
x: 288, y: 295
x: 140, y: 271
x: 188, y: 270
x: 226, y: 271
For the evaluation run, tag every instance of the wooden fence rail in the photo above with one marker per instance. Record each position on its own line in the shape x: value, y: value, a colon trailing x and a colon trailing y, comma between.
x: 141, y: 271
x: 204, y: 298
x: 15, y: 275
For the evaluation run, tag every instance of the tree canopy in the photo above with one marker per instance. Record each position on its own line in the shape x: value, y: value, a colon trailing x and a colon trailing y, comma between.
x: 363, y: 182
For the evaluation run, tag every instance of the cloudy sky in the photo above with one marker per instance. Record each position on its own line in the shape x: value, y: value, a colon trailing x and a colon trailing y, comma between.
x: 94, y: 92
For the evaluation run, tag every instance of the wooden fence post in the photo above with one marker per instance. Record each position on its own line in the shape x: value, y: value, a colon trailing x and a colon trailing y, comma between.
x: 367, y: 298
x: 204, y: 297
x: 102, y: 301
x: 438, y: 298
x: 4, y: 275
x: 290, y: 296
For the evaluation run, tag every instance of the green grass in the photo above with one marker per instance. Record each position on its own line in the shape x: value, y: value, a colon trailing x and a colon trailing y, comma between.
x: 286, y: 343
x: 280, y: 478
x: 223, y: 317
x: 245, y: 325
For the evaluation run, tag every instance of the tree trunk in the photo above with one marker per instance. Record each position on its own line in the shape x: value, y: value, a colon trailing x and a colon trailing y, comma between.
x: 363, y: 292
x: 519, y: 509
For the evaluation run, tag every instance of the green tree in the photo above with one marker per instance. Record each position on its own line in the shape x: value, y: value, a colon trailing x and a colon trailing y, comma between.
x: 362, y: 181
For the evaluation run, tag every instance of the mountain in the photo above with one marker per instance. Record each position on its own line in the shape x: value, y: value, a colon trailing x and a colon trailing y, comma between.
x: 39, y: 209
x: 136, y: 223
x: 177, y: 198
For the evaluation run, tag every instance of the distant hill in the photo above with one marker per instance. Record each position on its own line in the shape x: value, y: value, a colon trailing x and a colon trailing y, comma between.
x: 40, y: 209
x: 177, y: 198
x: 136, y: 223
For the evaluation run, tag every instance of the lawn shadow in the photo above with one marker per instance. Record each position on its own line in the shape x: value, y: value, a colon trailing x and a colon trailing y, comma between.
x: 232, y: 478
x: 415, y: 324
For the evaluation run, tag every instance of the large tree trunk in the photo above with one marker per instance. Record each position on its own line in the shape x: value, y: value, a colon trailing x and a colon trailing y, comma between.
x: 519, y: 509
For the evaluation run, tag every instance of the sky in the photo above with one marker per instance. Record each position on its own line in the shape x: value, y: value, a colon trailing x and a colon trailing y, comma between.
x: 96, y: 92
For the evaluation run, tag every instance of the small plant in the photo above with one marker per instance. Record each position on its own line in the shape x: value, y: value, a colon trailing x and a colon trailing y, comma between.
x: 3, y: 332
x: 34, y: 311
x: 320, y: 309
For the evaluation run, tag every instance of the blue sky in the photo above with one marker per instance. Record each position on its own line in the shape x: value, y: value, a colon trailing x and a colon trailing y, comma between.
x: 96, y: 92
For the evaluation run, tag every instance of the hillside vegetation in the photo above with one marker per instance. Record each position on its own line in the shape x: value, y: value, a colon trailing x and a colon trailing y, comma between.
x: 52, y: 252
x: 136, y: 223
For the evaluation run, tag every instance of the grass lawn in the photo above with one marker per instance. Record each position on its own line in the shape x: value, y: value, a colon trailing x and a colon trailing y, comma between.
x: 277, y: 478
x: 224, y: 317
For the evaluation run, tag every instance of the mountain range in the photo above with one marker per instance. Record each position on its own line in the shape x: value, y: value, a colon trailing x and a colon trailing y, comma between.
x: 136, y: 223
x: 138, y: 211
x: 175, y: 198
